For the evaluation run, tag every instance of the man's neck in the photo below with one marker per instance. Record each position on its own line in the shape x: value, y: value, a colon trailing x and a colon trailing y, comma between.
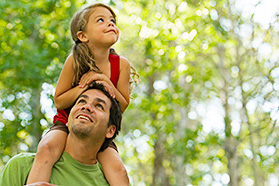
x: 82, y: 150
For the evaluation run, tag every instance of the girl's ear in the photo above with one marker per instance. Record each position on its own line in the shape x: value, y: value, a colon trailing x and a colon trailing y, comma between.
x: 82, y: 37
x: 111, y: 131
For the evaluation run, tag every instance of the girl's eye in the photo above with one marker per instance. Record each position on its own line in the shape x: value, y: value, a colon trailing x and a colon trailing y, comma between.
x: 100, y: 20
x: 113, y: 20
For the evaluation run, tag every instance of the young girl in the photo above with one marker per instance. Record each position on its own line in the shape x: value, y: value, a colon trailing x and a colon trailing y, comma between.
x: 94, y: 31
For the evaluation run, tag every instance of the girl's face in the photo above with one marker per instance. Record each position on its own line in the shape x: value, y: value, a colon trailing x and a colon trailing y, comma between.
x: 101, y: 29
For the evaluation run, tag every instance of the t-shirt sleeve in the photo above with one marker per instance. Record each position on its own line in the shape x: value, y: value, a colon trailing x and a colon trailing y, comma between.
x: 15, y: 172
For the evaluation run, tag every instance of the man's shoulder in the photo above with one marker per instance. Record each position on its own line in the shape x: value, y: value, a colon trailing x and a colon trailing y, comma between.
x: 25, y: 154
x: 20, y: 160
x: 16, y: 170
x: 22, y: 157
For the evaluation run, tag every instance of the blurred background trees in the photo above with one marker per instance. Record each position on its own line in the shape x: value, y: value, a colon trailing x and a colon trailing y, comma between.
x: 206, y: 110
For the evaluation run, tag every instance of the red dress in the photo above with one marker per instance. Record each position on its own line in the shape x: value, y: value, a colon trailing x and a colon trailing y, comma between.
x: 62, y: 115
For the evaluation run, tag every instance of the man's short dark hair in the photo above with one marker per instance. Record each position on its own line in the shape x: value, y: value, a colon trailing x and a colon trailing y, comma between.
x: 115, y: 115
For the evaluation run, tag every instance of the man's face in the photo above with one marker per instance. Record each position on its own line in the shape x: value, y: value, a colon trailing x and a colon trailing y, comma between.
x: 89, y: 117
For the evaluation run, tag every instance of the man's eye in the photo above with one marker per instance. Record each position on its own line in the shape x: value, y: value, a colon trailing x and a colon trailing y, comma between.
x: 100, y: 20
x: 81, y: 101
x: 100, y: 106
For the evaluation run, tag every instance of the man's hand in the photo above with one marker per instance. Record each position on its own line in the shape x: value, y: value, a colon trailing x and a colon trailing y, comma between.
x: 40, y: 183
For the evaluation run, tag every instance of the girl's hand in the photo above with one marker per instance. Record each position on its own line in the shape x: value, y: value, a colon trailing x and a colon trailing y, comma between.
x: 40, y: 184
x: 108, y: 88
x: 89, y: 77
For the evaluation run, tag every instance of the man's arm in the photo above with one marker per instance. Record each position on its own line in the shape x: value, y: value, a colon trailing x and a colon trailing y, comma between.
x: 15, y: 172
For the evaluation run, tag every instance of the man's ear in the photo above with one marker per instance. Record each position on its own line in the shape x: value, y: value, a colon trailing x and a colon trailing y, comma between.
x: 111, y: 131
x: 82, y: 36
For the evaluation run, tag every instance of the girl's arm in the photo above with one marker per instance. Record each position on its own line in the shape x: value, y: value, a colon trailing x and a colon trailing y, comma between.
x: 65, y: 95
x: 41, y: 183
x: 121, y: 91
x: 114, y: 171
x: 123, y: 83
x: 49, y: 150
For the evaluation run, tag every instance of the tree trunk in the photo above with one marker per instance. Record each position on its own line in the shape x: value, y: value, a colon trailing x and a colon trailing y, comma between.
x: 233, y: 160
x: 36, y: 131
x: 256, y: 174
x: 179, y: 159
x: 160, y: 177
x: 230, y: 146
x: 230, y: 143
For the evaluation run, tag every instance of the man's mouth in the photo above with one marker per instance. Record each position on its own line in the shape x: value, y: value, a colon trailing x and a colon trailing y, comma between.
x: 84, y: 117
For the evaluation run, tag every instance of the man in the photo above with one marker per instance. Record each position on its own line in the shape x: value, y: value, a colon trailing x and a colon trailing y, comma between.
x: 93, y: 122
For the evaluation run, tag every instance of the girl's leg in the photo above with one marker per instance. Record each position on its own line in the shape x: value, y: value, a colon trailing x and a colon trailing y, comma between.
x: 49, y: 151
x: 113, y: 167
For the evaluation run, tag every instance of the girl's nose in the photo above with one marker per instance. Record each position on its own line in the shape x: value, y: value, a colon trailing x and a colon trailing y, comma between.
x: 110, y: 24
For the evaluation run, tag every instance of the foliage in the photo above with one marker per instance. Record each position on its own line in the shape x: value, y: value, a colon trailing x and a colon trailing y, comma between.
x: 33, y: 49
x: 206, y: 109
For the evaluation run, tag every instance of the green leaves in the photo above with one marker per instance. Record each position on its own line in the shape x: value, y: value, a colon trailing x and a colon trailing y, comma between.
x: 35, y: 42
x: 194, y: 57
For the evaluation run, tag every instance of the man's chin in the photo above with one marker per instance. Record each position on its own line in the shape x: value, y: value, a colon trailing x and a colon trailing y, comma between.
x: 82, y: 131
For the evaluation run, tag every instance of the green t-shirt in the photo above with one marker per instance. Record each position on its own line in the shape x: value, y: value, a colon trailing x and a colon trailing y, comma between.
x: 66, y: 172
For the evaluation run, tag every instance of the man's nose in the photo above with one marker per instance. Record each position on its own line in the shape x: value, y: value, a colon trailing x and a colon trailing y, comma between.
x: 87, y: 107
